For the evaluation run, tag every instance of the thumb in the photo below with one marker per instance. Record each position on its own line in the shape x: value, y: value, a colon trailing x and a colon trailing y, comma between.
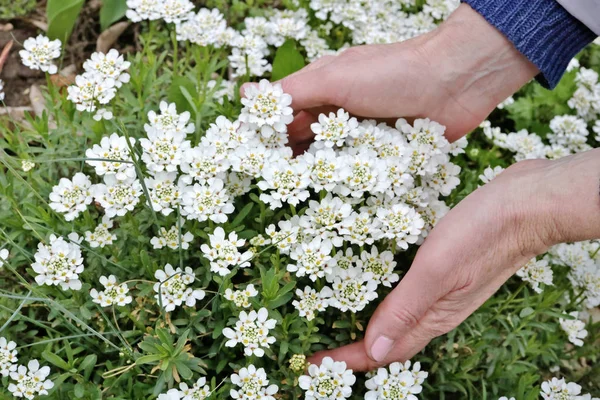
x: 397, y: 318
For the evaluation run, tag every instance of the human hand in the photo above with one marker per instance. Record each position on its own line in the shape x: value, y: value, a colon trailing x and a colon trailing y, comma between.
x: 475, y: 248
x: 455, y: 75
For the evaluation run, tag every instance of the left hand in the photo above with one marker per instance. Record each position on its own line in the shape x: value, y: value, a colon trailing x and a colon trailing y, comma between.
x: 475, y: 248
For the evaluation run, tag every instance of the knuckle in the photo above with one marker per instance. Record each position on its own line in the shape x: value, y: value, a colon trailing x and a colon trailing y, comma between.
x: 405, y: 317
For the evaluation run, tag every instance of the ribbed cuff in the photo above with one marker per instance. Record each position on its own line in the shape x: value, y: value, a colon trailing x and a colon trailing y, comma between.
x: 540, y: 29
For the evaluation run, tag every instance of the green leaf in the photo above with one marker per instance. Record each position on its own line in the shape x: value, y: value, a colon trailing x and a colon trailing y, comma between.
x: 111, y: 12
x: 56, y: 360
x: 79, y: 390
x: 287, y: 61
x: 178, y: 96
x: 62, y: 15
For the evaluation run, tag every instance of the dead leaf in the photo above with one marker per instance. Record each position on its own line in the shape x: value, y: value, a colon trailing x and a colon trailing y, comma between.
x: 16, y: 113
x: 6, y: 27
x: 38, y: 102
x: 110, y: 36
x: 66, y: 77
x: 4, y: 54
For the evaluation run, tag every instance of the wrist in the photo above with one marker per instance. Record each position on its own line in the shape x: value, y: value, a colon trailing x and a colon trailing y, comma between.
x: 572, y: 191
x: 548, y: 202
x: 482, y: 66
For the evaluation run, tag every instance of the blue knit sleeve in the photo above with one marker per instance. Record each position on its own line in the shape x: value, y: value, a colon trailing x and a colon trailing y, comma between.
x: 540, y: 29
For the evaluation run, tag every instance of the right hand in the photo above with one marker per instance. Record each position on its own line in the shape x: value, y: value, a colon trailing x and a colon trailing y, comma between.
x: 455, y: 75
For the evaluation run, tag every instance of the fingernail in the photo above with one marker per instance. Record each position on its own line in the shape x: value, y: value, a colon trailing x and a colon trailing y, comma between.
x: 381, y: 348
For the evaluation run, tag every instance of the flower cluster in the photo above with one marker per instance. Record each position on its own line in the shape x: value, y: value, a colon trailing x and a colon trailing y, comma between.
x: 328, y: 381
x: 97, y: 86
x: 30, y: 380
x: 113, y: 293
x: 559, y: 389
x: 252, y: 331
x: 574, y: 328
x: 398, y: 381
x: 2, y: 94
x: 40, y: 52
x: 173, y: 287
x: 59, y: 262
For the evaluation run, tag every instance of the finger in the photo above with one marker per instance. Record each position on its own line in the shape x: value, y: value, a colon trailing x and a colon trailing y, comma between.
x: 321, y: 62
x: 311, y: 88
x: 403, y: 308
x: 354, y: 355
x: 299, y: 130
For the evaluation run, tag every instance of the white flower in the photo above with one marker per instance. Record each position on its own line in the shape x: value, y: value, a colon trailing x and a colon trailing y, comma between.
x: 39, y: 53
x: 569, y: 131
x: 287, y: 236
x: 170, y: 238
x: 223, y: 253
x: 172, y: 394
x: 202, y: 163
x: 101, y: 236
x: 139, y: 10
x: 268, y: 107
x: 352, y: 288
x: 163, y: 151
x: 253, y: 63
x: 30, y: 380
x: 328, y: 381
x: 381, y: 265
x: 253, y: 385
x: 526, y: 145
x: 204, y: 28
x: 445, y: 179
x: 117, y: 197
x: 8, y: 357
x: 27, y: 165
x: 596, y: 129
x: 111, y: 65
x: 165, y: 194
x: 574, y: 328
x: 168, y: 121
x: 103, y: 113
x: 225, y: 135
x: 176, y: 11
x: 113, y: 293
x: 397, y: 383
x: 238, y: 184
x: 251, y: 330
x: 250, y: 158
x: 173, y: 288
x: 310, y: 301
x: 71, y: 197
x: 210, y: 200
x: 536, y: 272
x: 490, y: 173
x: 359, y: 228
x: 59, y: 263
x: 91, y: 90
x: 1, y: 90
x: 362, y: 171
x: 324, y: 218
x: 113, y: 150
x: 558, y: 389
x: 199, y: 391
x: 401, y: 223
x: 241, y: 298
x: 332, y: 130
x: 287, y: 24
x: 312, y: 258
x: 4, y: 253
x: 324, y: 169
x: 284, y: 181
x: 506, y: 398
x: 315, y: 46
